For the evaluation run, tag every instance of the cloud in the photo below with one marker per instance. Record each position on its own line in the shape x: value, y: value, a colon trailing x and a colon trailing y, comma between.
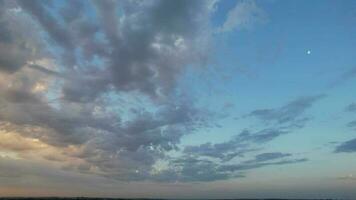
x: 140, y: 51
x: 349, y: 177
x: 262, y: 136
x: 40, y: 175
x: 244, y: 15
x: 289, y: 113
x: 248, y: 166
x: 45, y: 70
x: 269, y: 156
x: 49, y: 23
x: 239, y: 145
x: 224, y: 151
x: 345, y: 76
x: 92, y: 89
x: 19, y: 41
x: 284, y: 120
x: 11, y: 141
x: 38, y: 10
x: 352, y: 124
x: 188, y: 168
x: 346, y: 147
x: 95, y: 90
x: 351, y: 107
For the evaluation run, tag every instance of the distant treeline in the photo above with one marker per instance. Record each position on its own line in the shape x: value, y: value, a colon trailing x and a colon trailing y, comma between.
x: 93, y: 198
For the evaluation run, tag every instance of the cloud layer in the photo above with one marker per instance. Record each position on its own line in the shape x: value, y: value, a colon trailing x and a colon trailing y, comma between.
x: 92, y: 87
x: 95, y: 82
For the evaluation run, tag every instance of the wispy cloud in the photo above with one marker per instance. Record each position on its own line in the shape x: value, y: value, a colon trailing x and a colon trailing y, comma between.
x: 289, y: 114
x: 244, y: 15
x: 346, y: 147
x: 351, y: 107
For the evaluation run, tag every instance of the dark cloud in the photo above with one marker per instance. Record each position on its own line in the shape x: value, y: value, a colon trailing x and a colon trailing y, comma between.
x: 19, y: 42
x: 72, y: 11
x: 45, y: 70
x: 38, y: 10
x: 84, y: 88
x: 149, y: 52
x: 346, y: 147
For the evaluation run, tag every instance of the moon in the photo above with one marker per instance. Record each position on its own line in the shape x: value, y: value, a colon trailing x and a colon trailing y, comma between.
x: 308, y: 52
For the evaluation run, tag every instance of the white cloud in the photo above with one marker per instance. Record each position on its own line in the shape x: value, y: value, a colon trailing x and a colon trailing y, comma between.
x: 244, y: 15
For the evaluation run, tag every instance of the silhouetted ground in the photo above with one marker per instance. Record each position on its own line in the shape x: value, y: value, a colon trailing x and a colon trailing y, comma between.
x: 87, y: 198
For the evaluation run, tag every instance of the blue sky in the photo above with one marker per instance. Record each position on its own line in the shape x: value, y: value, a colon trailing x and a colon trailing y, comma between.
x: 183, y: 99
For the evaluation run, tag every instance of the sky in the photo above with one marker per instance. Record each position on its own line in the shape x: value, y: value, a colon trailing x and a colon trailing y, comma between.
x: 178, y: 99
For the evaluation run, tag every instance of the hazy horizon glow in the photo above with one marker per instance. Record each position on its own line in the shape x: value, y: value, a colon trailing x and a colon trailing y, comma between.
x: 178, y: 99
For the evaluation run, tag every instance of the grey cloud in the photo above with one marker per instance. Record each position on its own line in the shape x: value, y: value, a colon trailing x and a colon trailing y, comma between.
x: 270, y: 156
x: 345, y: 76
x: 262, y: 136
x: 148, y: 58
x: 117, y: 150
x: 19, y: 42
x: 20, y: 96
x: 284, y: 120
x: 351, y: 107
x: 163, y: 129
x: 288, y: 113
x: 14, y: 171
x: 248, y: 166
x: 346, y: 147
x: 12, y: 57
x: 224, y: 151
x: 349, y: 74
x: 347, y: 178
x: 109, y: 20
x: 56, y: 32
x: 141, y: 52
x: 190, y: 168
x: 45, y: 70
x: 76, y: 32
x: 237, y: 146
x: 72, y: 11
x: 72, y: 124
x: 84, y: 87
x: 352, y: 124
x: 141, y: 142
